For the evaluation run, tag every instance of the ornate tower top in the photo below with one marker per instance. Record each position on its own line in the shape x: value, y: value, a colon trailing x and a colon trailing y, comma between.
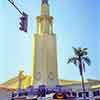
x: 44, y: 1
x: 45, y: 8
x: 44, y: 21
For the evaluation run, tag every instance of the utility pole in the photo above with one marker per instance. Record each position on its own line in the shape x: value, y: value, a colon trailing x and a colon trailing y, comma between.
x: 23, y: 18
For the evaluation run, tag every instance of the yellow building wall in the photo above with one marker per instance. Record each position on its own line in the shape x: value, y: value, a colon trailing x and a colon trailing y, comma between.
x: 14, y: 83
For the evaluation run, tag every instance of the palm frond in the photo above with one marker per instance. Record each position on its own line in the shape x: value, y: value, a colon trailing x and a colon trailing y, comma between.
x: 75, y: 50
x: 79, y: 51
x: 84, y: 49
x: 85, y: 53
x: 87, y: 60
x: 73, y: 60
x: 82, y: 52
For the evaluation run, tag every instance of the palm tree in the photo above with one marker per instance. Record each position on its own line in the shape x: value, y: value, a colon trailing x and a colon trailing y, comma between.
x: 79, y: 59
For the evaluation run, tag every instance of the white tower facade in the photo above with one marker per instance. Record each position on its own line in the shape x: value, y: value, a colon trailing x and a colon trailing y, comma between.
x: 44, y: 50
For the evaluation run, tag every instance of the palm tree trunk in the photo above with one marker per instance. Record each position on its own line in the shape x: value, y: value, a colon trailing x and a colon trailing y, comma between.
x: 82, y: 79
x: 83, y: 86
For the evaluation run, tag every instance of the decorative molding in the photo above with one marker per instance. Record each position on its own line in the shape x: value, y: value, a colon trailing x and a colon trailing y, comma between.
x: 51, y: 76
x: 38, y: 76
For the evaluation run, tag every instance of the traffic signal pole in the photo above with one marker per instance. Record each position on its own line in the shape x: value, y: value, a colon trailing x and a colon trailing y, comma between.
x: 23, y: 18
x: 12, y: 2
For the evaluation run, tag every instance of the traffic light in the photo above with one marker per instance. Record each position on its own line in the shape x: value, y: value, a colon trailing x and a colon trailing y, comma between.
x: 24, y: 22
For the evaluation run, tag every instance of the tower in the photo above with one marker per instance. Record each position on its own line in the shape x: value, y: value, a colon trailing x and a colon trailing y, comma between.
x: 44, y: 49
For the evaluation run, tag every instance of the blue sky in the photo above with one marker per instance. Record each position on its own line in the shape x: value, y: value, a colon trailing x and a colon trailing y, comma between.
x: 76, y: 23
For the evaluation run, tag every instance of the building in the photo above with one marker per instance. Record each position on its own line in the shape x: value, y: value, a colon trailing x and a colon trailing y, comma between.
x: 92, y: 86
x: 14, y: 83
x: 5, y: 93
x: 45, y: 66
x: 45, y: 50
